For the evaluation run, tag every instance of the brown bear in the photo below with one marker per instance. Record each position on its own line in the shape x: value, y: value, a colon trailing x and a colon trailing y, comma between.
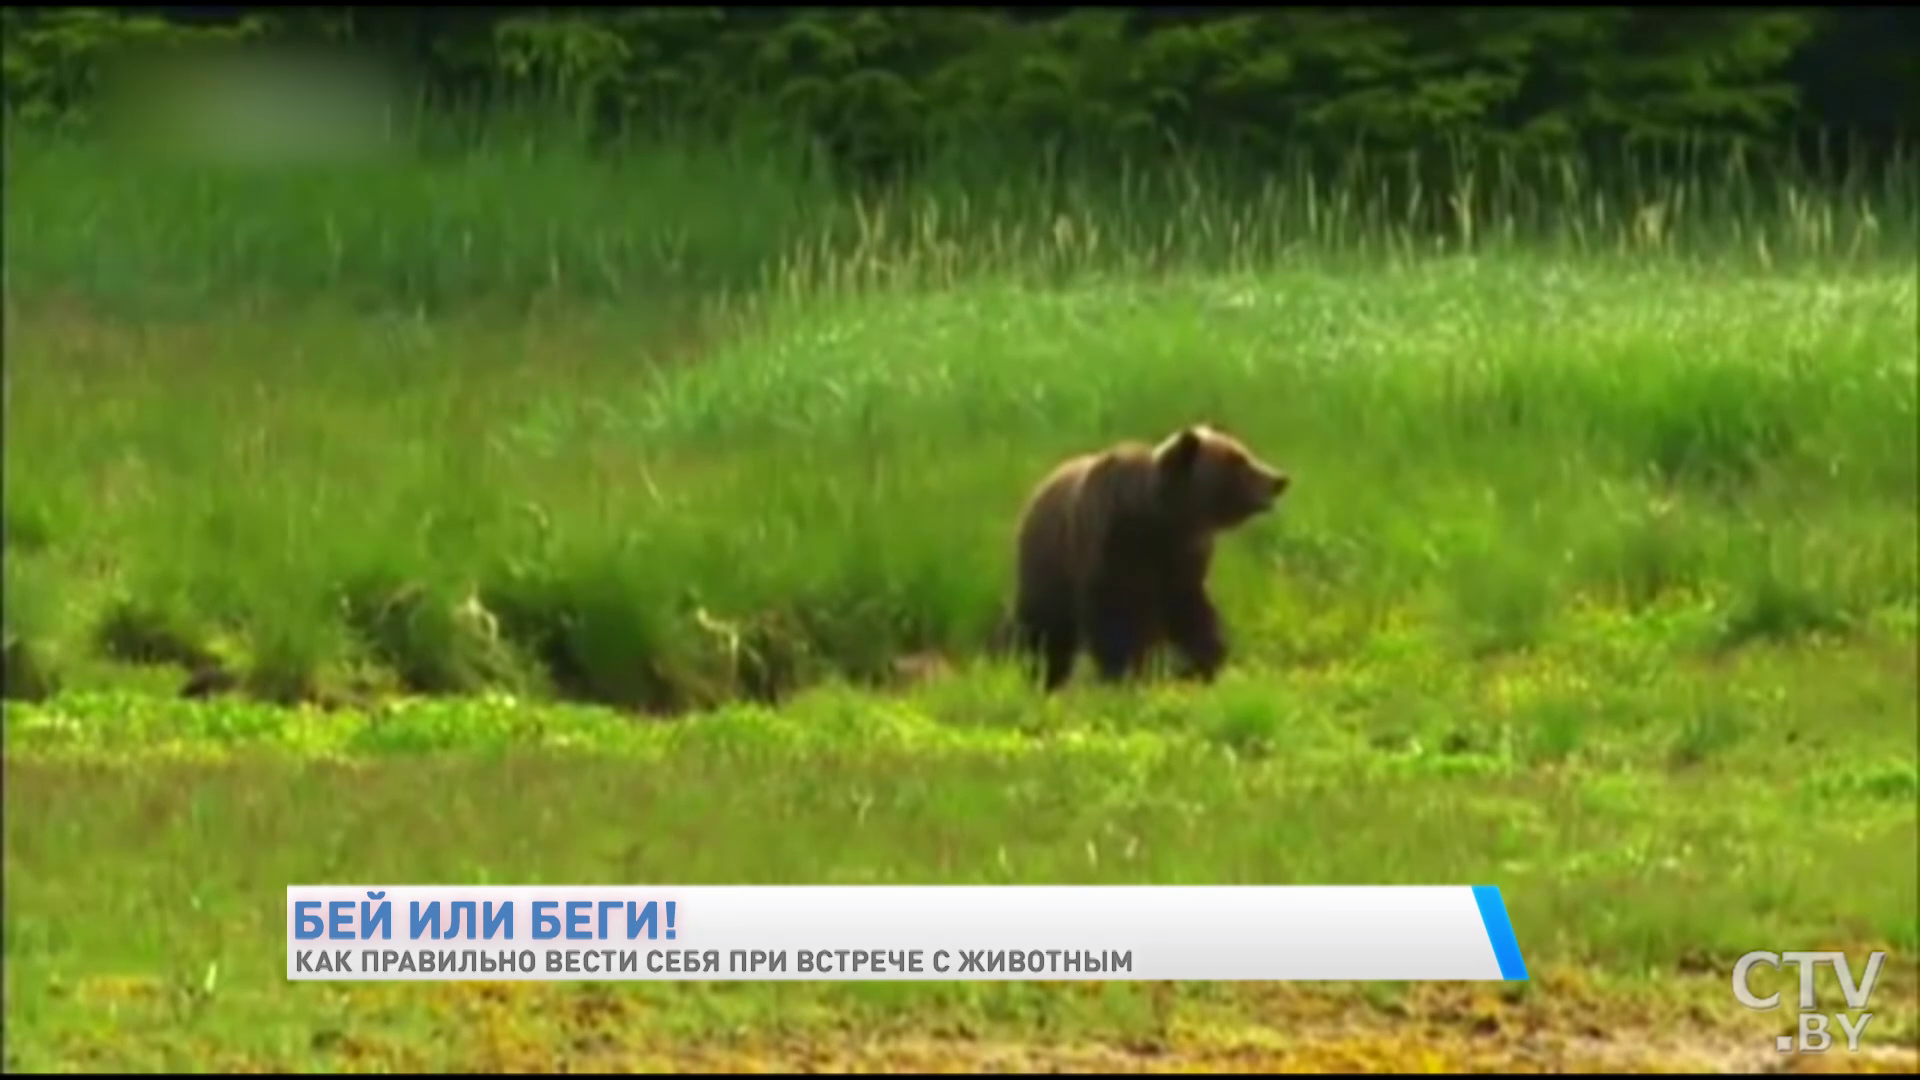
x: 1114, y: 547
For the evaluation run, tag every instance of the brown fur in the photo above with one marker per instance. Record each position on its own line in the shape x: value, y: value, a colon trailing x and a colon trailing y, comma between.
x: 1114, y: 548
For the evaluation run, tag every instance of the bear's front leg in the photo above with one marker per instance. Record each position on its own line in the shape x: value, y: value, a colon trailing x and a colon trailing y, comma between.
x: 1193, y: 627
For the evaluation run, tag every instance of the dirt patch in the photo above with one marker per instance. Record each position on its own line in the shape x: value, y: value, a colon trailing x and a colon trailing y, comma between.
x: 1556, y: 1025
x: 1411, y: 1049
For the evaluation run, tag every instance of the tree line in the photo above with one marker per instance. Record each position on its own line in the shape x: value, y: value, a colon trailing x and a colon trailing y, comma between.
x: 877, y: 86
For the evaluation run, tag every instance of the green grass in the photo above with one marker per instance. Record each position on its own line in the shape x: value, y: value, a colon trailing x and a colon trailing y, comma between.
x: 844, y: 482
x: 1642, y: 819
x: 1598, y: 579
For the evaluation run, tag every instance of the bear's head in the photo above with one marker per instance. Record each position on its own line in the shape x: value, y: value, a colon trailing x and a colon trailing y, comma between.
x: 1212, y: 481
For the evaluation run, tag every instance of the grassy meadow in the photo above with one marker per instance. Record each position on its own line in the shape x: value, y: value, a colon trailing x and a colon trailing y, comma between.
x: 566, y: 517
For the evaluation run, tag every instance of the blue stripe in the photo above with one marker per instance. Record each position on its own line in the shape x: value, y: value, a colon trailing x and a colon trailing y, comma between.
x: 1506, y: 949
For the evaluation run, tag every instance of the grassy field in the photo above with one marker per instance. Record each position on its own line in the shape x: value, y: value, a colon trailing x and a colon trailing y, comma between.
x: 602, y: 498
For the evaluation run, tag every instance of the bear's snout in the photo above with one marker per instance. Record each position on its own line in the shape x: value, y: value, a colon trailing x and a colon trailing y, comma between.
x: 1269, y: 486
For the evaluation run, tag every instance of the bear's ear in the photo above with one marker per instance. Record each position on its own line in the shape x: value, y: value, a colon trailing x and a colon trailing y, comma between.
x: 1177, y: 454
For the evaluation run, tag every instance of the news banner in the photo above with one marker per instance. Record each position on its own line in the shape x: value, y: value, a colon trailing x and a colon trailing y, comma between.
x: 900, y: 932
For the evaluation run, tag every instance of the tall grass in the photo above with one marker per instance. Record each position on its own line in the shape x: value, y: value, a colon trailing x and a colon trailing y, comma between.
x: 516, y: 209
x: 661, y: 424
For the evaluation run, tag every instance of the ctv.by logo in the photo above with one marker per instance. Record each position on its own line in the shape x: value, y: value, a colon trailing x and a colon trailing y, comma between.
x: 1812, y: 1036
